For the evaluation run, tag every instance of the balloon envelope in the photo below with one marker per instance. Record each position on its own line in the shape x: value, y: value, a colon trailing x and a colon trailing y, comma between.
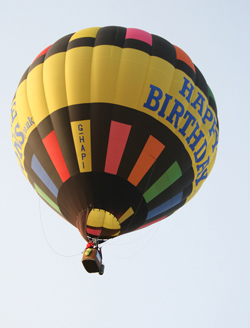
x: 115, y: 129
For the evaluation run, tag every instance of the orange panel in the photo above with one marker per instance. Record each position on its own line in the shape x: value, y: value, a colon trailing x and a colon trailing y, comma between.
x: 148, y: 156
x: 181, y: 55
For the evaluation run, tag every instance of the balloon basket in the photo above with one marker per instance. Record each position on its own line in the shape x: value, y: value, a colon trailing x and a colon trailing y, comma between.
x: 92, y: 261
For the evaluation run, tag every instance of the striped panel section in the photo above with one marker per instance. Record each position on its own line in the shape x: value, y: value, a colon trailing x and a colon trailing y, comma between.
x: 126, y: 215
x: 43, y: 176
x: 52, y: 146
x: 165, y: 206
x: 165, y: 181
x: 118, y: 137
x: 148, y: 156
x: 46, y: 198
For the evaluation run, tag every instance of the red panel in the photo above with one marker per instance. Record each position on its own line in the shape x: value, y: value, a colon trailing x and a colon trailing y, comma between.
x: 53, y: 149
x: 118, y: 136
x: 94, y: 232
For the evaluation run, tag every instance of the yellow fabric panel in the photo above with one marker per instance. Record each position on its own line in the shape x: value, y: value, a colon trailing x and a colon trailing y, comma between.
x: 17, y: 138
x: 54, y: 82
x: 111, y: 222
x: 82, y: 140
x: 78, y: 75
x: 22, y: 123
x: 100, y: 218
x: 87, y: 32
x: 104, y: 72
x: 96, y: 218
x: 36, y: 95
x: 126, y: 215
x: 160, y: 73
x: 23, y: 108
x: 132, y: 73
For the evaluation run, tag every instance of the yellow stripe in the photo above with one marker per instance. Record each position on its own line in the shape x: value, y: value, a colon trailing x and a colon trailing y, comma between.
x: 105, y: 71
x: 126, y: 215
x: 87, y: 32
x: 82, y: 141
x: 110, y: 222
x: 132, y: 73
x: 36, y: 96
x: 54, y: 82
x: 78, y: 75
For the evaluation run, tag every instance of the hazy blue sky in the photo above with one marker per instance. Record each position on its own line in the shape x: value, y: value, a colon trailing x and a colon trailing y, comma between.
x: 191, y: 270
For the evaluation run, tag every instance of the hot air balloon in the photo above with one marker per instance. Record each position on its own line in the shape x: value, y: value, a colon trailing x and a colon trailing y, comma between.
x: 115, y: 128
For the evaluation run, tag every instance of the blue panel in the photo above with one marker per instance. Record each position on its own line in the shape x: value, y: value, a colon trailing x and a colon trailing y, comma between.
x: 40, y: 172
x: 165, y: 206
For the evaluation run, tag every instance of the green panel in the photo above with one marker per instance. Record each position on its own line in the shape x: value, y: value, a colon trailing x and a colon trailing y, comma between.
x: 48, y: 200
x: 165, y: 181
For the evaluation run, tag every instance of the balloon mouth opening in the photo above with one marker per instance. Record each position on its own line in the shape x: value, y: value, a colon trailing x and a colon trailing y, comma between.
x: 102, y: 224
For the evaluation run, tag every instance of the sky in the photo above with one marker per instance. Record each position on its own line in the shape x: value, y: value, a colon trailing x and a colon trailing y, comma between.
x: 189, y: 271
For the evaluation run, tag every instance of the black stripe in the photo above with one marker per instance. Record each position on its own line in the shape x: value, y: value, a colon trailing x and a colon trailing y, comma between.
x: 79, y: 112
x: 201, y: 82
x: 111, y: 35
x: 138, y: 45
x: 212, y: 104
x: 45, y: 127
x: 24, y: 77
x: 59, y: 46
x: 37, y: 62
x: 61, y: 124
x: 81, y: 42
x: 185, y: 68
x: 163, y: 49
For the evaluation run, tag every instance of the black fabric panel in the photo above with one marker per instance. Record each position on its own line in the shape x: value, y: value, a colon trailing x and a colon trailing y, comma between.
x: 100, y: 126
x: 212, y: 103
x: 111, y: 35
x: 185, y: 68
x: 163, y: 49
x: 81, y: 42
x: 201, y: 82
x: 59, y: 46
x: 61, y: 124
x: 37, y: 62
x: 138, y: 45
x: 79, y: 112
x: 104, y: 191
x: 24, y: 77
x: 45, y: 127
